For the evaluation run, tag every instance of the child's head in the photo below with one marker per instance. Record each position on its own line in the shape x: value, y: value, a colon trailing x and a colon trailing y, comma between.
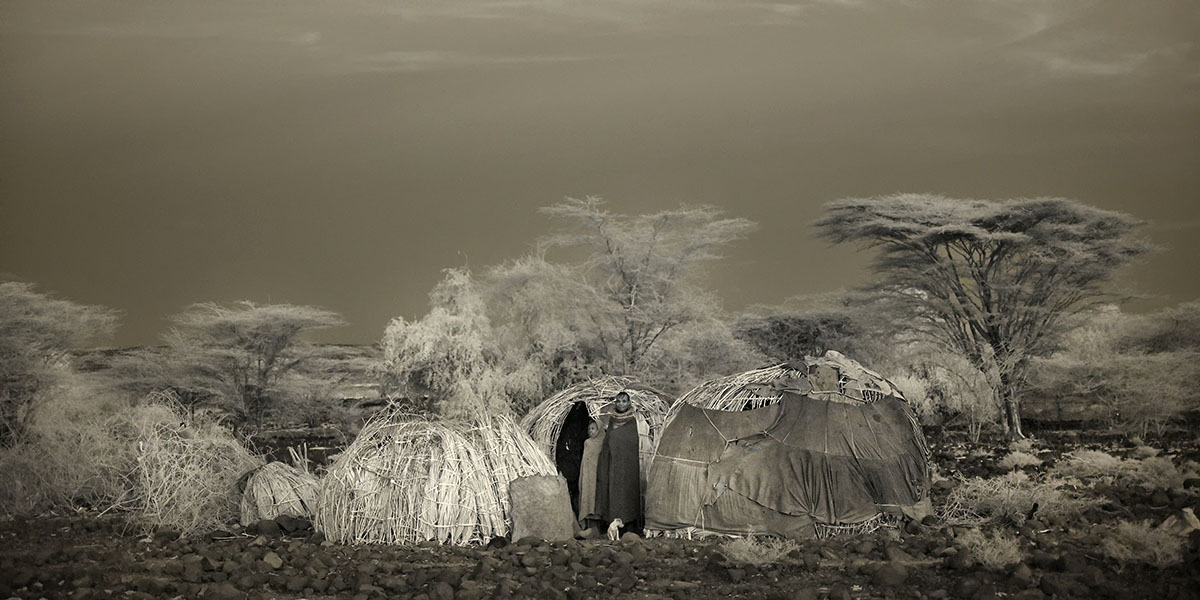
x: 593, y: 429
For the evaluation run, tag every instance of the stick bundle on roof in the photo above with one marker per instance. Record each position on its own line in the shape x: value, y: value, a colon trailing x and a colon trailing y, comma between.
x: 408, y: 480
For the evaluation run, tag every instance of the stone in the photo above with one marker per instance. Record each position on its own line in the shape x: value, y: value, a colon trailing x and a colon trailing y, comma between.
x: 1022, y: 575
x: 269, y: 529
x: 273, y: 560
x: 965, y: 588
x: 541, y: 507
x: 890, y: 574
x: 896, y: 554
x: 807, y: 593
x: 959, y: 560
x: 839, y: 591
x: 223, y: 591
x: 1057, y: 585
x: 442, y: 591
x: 735, y: 575
x: 912, y: 527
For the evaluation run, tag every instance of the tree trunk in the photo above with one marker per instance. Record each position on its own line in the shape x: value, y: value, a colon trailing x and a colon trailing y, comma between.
x: 1012, y: 414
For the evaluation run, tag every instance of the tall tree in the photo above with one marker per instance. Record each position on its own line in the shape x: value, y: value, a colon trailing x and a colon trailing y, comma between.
x: 36, y: 330
x: 993, y: 280
x: 239, y: 352
x: 644, y: 270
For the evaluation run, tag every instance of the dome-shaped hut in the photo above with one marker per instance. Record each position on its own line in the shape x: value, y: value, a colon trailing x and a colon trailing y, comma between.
x: 406, y: 480
x: 802, y: 449
x: 559, y: 424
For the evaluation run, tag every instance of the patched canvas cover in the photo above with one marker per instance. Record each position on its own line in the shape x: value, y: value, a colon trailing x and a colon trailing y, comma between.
x: 782, y: 468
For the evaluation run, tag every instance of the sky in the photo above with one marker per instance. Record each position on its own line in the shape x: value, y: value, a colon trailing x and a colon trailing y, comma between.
x: 157, y: 153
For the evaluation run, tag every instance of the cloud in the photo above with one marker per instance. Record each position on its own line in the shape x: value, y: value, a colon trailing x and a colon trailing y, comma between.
x: 193, y: 31
x: 430, y: 60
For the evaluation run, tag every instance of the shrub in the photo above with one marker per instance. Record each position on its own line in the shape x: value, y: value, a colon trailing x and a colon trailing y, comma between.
x: 72, y: 455
x: 757, y: 551
x: 1010, y: 499
x: 996, y: 550
x: 1140, y: 543
x: 170, y: 469
x: 187, y: 471
x: 1158, y: 472
x: 1018, y: 459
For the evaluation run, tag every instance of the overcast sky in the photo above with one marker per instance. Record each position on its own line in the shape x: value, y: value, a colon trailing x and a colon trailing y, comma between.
x: 155, y: 153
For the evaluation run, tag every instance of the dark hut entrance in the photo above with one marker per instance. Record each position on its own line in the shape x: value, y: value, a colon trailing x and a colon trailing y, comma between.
x: 568, y: 450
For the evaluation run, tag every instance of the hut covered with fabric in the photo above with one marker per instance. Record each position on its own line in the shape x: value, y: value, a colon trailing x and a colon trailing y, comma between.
x: 406, y: 480
x: 800, y: 450
x: 559, y: 424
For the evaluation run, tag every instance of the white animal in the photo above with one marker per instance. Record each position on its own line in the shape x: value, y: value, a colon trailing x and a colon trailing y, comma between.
x: 614, y: 529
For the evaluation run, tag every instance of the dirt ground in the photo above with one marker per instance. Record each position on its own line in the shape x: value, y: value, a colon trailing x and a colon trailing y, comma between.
x: 101, y: 556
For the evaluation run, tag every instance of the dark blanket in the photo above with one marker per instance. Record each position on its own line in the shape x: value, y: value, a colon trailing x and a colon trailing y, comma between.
x: 618, y: 478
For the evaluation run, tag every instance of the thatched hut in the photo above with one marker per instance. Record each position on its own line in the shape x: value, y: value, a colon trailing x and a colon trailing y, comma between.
x: 559, y: 424
x: 803, y: 449
x: 409, y: 480
x: 277, y: 489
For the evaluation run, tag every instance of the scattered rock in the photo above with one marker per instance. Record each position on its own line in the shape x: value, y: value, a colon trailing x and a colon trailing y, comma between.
x: 839, y: 591
x: 1022, y: 575
x: 890, y: 574
x: 895, y: 553
x: 223, y: 591
x: 273, y: 560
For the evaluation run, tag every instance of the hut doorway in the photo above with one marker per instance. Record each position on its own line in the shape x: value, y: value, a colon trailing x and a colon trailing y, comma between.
x: 568, y: 449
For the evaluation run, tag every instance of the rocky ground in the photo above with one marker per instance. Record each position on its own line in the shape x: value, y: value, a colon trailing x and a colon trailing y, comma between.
x: 90, y: 556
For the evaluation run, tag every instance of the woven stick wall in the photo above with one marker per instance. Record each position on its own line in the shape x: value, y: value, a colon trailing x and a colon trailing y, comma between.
x: 407, y: 480
x: 278, y: 489
x: 545, y: 421
x: 833, y: 377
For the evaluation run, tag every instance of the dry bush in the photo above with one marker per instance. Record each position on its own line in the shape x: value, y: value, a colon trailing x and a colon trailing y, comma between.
x: 1010, y: 498
x: 87, y: 450
x: 187, y: 471
x: 73, y: 455
x: 1018, y: 459
x: 996, y: 550
x: 1141, y: 543
x: 757, y: 551
x: 1158, y: 472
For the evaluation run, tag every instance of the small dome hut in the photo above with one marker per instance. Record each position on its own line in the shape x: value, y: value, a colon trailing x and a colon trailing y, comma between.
x: 559, y: 424
x: 803, y: 449
x: 406, y: 480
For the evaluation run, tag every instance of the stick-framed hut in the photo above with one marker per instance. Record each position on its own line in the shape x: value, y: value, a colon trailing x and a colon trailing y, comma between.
x: 802, y: 449
x: 559, y: 424
x: 407, y: 479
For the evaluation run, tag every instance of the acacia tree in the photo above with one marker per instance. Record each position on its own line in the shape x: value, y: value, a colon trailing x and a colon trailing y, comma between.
x: 239, y: 352
x: 993, y: 280
x: 643, y: 271
x: 36, y: 331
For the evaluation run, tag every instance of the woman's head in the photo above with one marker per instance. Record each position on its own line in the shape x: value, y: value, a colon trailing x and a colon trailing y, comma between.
x: 621, y: 403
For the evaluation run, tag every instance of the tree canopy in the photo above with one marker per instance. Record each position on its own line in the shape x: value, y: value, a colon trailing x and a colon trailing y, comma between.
x: 239, y: 352
x: 36, y: 330
x: 992, y: 279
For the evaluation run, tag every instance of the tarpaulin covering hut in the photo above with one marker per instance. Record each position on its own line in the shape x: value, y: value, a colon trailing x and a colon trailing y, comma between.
x: 804, y: 449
